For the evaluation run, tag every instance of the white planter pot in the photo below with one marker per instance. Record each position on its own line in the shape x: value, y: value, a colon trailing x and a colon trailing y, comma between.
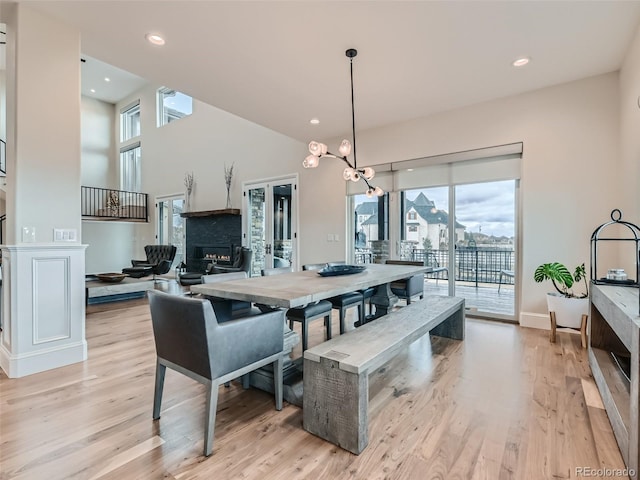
x: 569, y: 311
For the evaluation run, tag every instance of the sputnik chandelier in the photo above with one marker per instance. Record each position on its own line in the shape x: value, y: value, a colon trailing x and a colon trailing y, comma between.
x: 352, y: 172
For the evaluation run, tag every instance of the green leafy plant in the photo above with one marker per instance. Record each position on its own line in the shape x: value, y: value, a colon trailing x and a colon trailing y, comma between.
x: 562, y: 278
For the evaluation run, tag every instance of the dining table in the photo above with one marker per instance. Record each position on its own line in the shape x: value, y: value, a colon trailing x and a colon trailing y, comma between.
x: 297, y: 289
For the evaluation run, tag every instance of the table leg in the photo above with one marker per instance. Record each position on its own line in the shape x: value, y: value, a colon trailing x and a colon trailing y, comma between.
x: 262, y: 378
x: 384, y: 300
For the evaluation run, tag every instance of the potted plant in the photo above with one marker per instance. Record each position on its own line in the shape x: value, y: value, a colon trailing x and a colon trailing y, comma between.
x: 566, y: 308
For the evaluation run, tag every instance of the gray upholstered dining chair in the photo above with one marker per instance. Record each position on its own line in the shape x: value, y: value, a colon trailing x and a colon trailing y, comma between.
x: 189, y: 340
x: 342, y: 302
x: 306, y: 314
x: 408, y: 287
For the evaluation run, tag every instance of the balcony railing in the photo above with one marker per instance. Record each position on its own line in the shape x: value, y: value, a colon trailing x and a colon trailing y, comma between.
x: 475, y: 265
x: 109, y: 204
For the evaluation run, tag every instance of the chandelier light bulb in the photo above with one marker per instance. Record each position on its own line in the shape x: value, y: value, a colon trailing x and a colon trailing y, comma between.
x: 311, y: 161
x: 368, y: 173
x: 378, y: 191
x: 355, y: 175
x: 317, y: 148
x: 345, y: 148
x: 369, y: 193
x: 347, y: 173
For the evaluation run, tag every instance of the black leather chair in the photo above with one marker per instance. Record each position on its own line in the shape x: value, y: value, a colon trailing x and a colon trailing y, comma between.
x: 241, y: 262
x: 306, y: 314
x: 342, y: 302
x: 159, y: 259
x: 189, y: 340
x: 408, y: 287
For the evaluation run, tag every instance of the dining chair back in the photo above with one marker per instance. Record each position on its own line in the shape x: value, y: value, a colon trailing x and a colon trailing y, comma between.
x: 189, y: 340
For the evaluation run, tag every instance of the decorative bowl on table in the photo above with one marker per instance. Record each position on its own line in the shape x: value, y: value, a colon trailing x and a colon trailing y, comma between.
x: 110, y: 277
x: 333, y: 270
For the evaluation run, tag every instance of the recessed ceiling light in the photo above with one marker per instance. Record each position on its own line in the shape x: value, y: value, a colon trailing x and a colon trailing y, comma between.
x: 93, y: 90
x: 107, y: 79
x: 314, y: 121
x: 154, y: 38
x: 521, y: 62
x: 409, y: 169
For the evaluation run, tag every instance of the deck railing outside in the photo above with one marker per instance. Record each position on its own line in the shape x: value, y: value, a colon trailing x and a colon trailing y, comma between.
x: 110, y: 204
x: 475, y: 265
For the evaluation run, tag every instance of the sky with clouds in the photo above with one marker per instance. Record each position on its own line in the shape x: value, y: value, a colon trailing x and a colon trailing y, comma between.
x: 481, y: 207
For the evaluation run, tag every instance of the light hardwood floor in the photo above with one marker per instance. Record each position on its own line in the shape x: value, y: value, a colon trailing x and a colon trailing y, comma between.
x: 503, y: 404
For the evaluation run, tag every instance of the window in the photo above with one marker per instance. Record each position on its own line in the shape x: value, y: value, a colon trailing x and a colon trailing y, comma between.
x: 130, y: 121
x: 413, y: 228
x: 411, y: 216
x: 130, y: 168
x: 172, y: 105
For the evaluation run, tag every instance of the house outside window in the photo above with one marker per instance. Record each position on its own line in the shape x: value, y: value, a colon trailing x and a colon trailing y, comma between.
x: 130, y: 168
x: 130, y: 121
x: 173, y: 105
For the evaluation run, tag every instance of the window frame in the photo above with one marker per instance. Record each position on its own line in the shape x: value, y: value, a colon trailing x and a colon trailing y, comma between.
x: 126, y: 114
x: 129, y: 183
x: 163, y: 118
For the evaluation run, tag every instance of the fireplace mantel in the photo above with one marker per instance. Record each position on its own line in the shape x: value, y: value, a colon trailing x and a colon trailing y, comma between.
x: 211, y: 213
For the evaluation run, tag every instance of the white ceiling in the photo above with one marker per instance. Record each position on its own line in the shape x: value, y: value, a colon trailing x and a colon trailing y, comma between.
x: 281, y: 63
x: 120, y: 84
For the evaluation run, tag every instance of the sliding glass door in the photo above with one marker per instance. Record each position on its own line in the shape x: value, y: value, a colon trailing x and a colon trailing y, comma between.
x: 485, y: 246
x: 466, y: 233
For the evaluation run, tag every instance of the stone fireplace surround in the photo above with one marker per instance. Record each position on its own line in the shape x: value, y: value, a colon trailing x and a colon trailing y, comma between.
x: 209, y: 233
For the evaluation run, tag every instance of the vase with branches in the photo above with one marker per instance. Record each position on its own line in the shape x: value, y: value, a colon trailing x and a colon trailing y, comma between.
x: 188, y: 183
x: 228, y: 176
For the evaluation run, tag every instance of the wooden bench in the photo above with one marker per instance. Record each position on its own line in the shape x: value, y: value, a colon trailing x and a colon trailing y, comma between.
x: 336, y: 373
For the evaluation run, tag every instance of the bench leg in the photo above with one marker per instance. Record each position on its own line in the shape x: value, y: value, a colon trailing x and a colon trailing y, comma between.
x: 335, y: 404
x: 452, y: 327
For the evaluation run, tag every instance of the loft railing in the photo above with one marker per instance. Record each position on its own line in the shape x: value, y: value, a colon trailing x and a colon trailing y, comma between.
x: 109, y: 204
x: 3, y: 157
x: 3, y: 218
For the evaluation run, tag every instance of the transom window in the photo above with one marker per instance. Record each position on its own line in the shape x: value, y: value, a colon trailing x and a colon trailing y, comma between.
x: 130, y: 168
x: 172, y: 105
x: 130, y: 122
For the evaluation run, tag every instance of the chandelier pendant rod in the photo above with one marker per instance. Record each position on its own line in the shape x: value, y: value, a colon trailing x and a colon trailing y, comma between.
x: 352, y: 52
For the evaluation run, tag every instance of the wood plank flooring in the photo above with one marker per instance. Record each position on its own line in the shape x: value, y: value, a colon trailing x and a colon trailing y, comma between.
x: 503, y: 404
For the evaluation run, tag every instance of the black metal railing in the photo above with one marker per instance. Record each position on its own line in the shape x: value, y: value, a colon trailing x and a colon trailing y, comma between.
x: 476, y: 265
x: 3, y: 157
x: 3, y: 219
x: 109, y: 204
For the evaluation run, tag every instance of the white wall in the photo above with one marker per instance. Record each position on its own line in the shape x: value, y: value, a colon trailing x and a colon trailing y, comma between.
x: 43, y: 144
x: 110, y: 245
x: 98, y: 148
x: 628, y: 179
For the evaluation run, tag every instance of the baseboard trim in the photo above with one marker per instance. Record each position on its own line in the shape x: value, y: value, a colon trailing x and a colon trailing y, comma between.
x: 535, y: 320
x: 16, y: 366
